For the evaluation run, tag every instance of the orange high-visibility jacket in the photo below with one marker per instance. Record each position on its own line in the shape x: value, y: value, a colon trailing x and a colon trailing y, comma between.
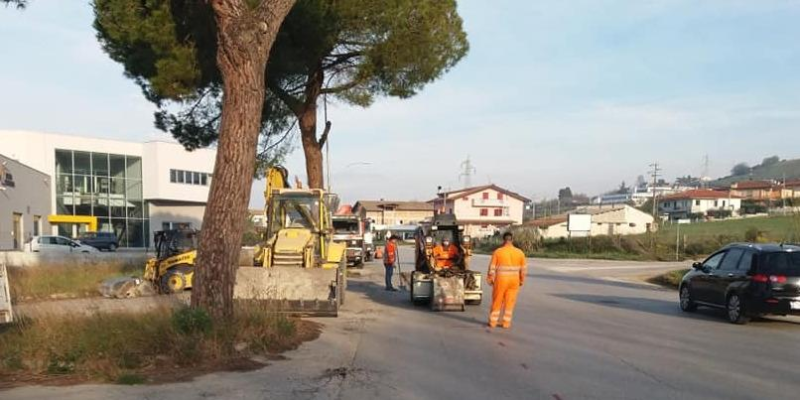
x: 391, y: 253
x: 508, y: 261
x: 445, y: 257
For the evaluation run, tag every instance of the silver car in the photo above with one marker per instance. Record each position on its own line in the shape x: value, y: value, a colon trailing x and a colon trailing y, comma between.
x: 57, y: 244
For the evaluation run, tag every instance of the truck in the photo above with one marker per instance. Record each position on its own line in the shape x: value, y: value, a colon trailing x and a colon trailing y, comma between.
x: 444, y: 289
x: 349, y: 230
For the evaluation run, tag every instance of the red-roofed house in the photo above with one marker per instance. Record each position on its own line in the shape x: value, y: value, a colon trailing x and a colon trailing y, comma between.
x: 700, y: 201
x: 757, y: 190
x: 791, y: 189
x: 482, y: 209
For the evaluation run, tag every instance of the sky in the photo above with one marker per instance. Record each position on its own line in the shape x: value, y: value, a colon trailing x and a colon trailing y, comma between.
x: 584, y: 94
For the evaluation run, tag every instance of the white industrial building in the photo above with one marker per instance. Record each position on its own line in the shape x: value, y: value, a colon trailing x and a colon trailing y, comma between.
x: 129, y: 188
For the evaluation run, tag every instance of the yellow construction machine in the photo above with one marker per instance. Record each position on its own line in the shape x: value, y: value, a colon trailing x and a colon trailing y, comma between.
x: 298, y: 266
x: 172, y: 269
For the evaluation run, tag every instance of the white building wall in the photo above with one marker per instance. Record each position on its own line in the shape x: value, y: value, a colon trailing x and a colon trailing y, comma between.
x: 161, y: 157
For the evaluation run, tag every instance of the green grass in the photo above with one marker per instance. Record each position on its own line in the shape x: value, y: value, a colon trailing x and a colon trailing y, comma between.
x: 66, y: 280
x: 775, y: 229
x: 129, y: 348
x: 697, y: 240
x: 670, y: 279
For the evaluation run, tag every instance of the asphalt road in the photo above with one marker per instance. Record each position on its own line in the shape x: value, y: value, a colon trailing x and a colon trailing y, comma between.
x: 582, y: 330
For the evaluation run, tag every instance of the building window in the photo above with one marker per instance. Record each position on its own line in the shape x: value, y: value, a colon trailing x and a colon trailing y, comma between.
x: 716, y: 203
x: 188, y: 177
x: 697, y: 202
x: 498, y: 212
x: 37, y: 225
x: 102, y: 185
x: 499, y: 196
x: 486, y: 195
x: 484, y: 212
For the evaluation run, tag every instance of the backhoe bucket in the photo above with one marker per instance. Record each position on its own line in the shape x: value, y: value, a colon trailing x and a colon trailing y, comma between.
x: 293, y: 290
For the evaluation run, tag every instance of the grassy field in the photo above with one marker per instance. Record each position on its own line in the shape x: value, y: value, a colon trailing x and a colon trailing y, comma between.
x: 74, y: 280
x: 159, y: 346
x: 697, y: 240
x: 773, y: 229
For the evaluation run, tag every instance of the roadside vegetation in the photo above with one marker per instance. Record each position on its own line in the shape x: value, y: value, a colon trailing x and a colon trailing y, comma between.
x: 669, y: 279
x: 695, y: 240
x: 159, y: 346
x: 67, y: 280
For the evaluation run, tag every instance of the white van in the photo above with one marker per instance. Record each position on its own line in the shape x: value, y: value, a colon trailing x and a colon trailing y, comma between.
x: 57, y: 244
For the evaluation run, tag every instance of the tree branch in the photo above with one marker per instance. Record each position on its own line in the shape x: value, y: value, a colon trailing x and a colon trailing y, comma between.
x: 324, y: 137
x: 292, y: 102
x: 340, y: 88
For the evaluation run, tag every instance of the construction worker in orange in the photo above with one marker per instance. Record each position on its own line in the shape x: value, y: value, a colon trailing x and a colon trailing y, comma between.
x: 506, y: 275
x: 444, y: 254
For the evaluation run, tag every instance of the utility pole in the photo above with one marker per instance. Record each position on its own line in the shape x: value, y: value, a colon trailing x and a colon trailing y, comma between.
x: 655, y: 172
x: 467, y: 169
x: 783, y: 198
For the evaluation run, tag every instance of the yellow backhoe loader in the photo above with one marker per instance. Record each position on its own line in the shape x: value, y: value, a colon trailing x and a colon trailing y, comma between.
x: 298, y: 268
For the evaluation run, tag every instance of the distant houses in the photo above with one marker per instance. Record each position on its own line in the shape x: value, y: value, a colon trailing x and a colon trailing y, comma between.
x: 700, y: 203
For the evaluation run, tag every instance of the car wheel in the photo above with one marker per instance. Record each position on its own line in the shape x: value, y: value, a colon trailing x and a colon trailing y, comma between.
x: 736, y: 310
x: 112, y: 247
x: 687, y: 304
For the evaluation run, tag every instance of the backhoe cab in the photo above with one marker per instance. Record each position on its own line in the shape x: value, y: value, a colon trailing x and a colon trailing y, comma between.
x: 172, y: 269
x: 444, y: 288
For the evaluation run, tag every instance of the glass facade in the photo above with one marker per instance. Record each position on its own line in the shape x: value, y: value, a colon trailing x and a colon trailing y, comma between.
x: 107, y: 186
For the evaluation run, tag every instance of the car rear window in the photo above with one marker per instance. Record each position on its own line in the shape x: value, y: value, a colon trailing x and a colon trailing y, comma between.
x: 782, y: 263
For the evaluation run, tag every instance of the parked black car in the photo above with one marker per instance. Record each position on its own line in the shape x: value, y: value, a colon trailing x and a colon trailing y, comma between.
x: 747, y: 280
x: 100, y: 240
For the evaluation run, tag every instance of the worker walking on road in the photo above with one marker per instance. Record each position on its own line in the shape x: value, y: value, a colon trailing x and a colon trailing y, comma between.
x: 506, y: 275
x: 390, y: 260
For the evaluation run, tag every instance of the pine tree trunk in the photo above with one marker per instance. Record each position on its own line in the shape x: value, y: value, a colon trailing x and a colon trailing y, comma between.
x: 307, y: 119
x: 244, y: 37
x: 311, y: 147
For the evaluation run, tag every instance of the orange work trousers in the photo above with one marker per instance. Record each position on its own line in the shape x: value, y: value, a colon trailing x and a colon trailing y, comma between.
x: 504, y: 297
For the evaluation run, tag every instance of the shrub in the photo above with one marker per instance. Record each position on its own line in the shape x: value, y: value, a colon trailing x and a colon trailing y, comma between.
x: 719, y: 214
x: 189, y: 321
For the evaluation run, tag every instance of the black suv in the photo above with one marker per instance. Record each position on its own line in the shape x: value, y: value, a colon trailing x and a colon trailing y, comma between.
x: 100, y: 240
x: 747, y: 280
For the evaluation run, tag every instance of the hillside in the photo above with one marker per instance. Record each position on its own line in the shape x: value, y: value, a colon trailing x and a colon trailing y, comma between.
x: 775, y: 171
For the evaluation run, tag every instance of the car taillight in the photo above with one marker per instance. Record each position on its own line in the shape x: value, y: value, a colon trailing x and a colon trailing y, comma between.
x: 762, y: 278
x: 777, y: 279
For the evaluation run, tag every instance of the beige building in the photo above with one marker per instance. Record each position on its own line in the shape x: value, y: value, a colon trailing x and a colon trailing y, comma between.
x: 483, y: 209
x: 24, y: 203
x: 605, y: 220
x: 391, y: 213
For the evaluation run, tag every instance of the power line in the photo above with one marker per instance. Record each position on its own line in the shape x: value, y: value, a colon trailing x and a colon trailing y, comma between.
x: 467, y: 169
